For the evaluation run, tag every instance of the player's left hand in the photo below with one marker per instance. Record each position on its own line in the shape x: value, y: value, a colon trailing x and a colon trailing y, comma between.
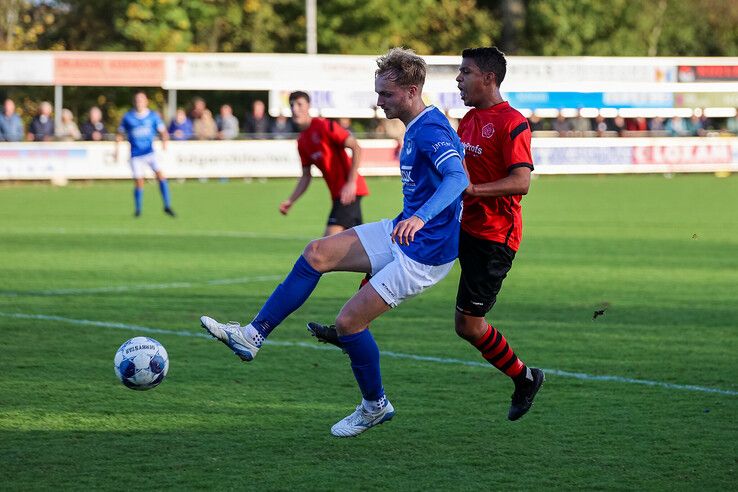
x: 404, y: 231
x: 348, y: 193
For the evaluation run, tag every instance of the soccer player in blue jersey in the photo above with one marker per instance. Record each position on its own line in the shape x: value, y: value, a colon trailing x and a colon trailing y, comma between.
x: 405, y: 255
x: 141, y: 125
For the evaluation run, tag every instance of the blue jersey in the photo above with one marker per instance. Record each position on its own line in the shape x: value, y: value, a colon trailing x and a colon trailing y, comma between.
x: 141, y: 131
x: 431, y: 149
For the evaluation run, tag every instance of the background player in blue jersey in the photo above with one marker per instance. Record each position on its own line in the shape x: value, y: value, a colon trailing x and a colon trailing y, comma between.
x: 405, y: 255
x: 141, y: 125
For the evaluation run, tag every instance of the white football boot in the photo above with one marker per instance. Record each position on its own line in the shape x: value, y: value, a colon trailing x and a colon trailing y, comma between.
x: 245, y: 341
x: 362, y: 420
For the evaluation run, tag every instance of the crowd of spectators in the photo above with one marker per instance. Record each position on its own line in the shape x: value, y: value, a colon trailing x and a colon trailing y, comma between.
x: 200, y: 124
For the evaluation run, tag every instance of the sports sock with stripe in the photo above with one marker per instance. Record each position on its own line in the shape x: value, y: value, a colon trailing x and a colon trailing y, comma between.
x: 497, y: 351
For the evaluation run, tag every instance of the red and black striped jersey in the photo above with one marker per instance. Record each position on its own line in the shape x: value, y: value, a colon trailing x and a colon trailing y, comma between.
x: 496, y: 140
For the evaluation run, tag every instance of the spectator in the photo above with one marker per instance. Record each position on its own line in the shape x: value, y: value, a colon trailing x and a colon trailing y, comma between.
x: 638, y: 124
x: 618, y: 125
x: 677, y: 127
x: 535, y: 123
x: 11, y: 126
x: 581, y: 125
x: 282, y: 127
x: 694, y: 126
x: 42, y: 125
x: 94, y: 129
x: 732, y: 124
x: 600, y: 125
x: 67, y: 129
x: 257, y: 122
x: 205, y: 127
x: 227, y: 123
x: 657, y: 124
x: 198, y: 108
x: 562, y: 126
x: 180, y: 128
x: 346, y: 124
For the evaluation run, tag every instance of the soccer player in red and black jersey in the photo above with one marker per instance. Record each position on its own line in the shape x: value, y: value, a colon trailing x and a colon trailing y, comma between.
x: 322, y: 143
x: 498, y: 158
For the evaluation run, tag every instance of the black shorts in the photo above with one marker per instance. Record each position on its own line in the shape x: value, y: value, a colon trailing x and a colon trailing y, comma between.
x: 346, y: 216
x: 484, y: 265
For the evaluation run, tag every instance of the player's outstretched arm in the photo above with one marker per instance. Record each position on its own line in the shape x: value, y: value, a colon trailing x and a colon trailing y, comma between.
x: 348, y: 192
x: 302, y: 185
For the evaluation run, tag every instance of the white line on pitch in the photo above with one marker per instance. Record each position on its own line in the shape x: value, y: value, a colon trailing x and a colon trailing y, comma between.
x: 396, y: 355
x: 135, y: 232
x: 128, y: 288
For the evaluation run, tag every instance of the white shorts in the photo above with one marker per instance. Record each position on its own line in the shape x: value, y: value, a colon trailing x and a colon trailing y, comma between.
x: 138, y: 163
x: 395, y: 276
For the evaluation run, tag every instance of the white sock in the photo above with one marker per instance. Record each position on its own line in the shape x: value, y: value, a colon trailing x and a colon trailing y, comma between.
x: 375, y: 405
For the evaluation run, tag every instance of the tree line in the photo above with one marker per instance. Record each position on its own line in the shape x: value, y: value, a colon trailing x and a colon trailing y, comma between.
x: 431, y: 27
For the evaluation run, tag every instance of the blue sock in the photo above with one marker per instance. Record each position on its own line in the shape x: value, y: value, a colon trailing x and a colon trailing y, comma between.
x: 164, y: 189
x: 364, y: 354
x: 138, y: 198
x: 287, y: 297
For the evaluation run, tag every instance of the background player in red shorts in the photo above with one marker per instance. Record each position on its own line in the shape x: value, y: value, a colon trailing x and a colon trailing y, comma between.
x: 322, y: 143
x: 498, y: 159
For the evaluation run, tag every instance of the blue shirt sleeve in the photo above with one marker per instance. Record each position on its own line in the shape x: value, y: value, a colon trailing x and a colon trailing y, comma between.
x: 442, y: 149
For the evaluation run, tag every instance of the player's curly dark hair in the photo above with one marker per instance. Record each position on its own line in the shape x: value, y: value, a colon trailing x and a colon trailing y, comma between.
x: 402, y: 66
x: 488, y: 59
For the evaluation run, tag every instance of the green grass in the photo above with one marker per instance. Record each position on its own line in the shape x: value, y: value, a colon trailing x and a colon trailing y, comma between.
x: 662, y: 252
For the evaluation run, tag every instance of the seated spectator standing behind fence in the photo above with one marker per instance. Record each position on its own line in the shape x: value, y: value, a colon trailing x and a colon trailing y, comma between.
x: 42, y: 125
x: 11, y: 126
x: 600, y: 125
x: 677, y: 127
x: 180, y: 128
x: 257, y: 122
x: 93, y: 129
x: 732, y: 124
x: 205, y: 127
x: 282, y: 127
x: 227, y: 123
x: 656, y: 124
x: 581, y: 125
x: 562, y: 126
x: 67, y: 129
x: 198, y: 108
x: 618, y: 125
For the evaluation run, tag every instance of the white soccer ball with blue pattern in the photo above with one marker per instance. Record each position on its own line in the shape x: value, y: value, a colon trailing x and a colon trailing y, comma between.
x: 141, y: 363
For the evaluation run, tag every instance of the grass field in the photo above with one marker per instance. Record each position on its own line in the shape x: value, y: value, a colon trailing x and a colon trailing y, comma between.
x: 643, y: 397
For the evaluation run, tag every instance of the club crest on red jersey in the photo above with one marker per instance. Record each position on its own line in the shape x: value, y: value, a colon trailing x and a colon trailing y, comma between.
x: 488, y: 130
x: 315, y: 137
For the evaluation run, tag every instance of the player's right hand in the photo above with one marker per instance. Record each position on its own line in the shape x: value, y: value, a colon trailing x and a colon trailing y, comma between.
x: 284, y: 207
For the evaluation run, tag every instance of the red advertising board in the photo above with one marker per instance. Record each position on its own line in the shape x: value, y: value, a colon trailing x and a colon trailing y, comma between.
x: 708, y: 73
x: 683, y: 154
x: 103, y: 69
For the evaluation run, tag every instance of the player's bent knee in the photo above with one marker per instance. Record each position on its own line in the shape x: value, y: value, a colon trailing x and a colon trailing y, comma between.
x: 317, y: 256
x: 347, y: 324
x: 469, y: 327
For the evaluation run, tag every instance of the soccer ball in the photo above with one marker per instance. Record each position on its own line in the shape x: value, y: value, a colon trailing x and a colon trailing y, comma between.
x: 141, y: 363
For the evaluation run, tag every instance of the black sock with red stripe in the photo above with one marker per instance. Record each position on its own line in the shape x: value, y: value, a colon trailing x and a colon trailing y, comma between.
x: 497, y: 351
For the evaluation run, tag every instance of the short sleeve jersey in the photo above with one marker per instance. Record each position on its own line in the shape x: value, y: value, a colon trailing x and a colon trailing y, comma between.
x: 141, y: 131
x: 321, y: 145
x: 496, y: 140
x: 430, y: 143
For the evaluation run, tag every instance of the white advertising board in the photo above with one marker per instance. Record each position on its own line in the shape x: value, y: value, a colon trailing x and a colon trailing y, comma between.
x: 279, y: 158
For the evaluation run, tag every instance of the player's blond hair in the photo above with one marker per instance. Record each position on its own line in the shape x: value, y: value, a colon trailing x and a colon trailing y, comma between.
x: 402, y: 66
